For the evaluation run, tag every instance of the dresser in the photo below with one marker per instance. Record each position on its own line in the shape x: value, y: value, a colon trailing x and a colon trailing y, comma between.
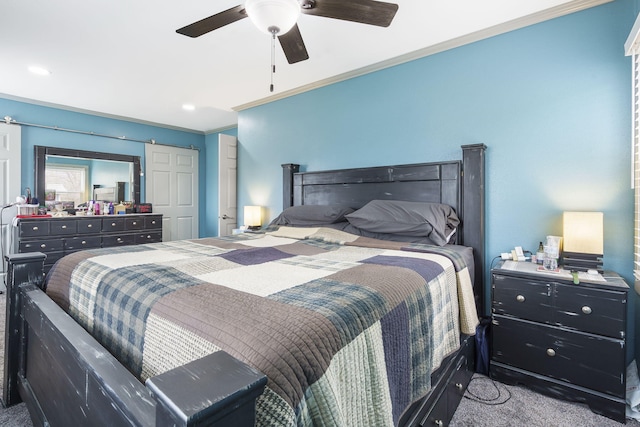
x: 60, y: 236
x: 562, y: 339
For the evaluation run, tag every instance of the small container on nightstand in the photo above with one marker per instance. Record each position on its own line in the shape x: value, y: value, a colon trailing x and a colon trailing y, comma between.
x: 559, y: 338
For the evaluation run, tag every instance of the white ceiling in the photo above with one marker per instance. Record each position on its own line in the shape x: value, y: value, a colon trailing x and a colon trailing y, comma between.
x: 123, y: 58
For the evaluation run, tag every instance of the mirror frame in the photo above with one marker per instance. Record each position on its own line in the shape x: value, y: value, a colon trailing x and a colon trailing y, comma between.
x: 41, y: 153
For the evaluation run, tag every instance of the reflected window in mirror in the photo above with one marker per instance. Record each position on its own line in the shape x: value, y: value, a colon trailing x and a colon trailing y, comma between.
x: 66, y: 183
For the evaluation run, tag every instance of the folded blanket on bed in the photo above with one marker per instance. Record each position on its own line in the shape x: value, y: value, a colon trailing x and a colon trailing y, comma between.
x: 347, y: 329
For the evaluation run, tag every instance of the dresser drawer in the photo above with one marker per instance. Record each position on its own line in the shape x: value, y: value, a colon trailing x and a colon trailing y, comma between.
x: 34, y: 228
x: 89, y: 226
x: 44, y: 245
x: 581, y: 359
x: 80, y: 243
x: 135, y: 223
x: 523, y: 298
x: 154, y: 221
x: 118, y: 240
x: 149, y: 237
x: 112, y: 224
x: 599, y: 311
x: 62, y: 226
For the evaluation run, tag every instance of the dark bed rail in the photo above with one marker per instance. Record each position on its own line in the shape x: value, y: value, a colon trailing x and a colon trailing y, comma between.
x: 68, y: 378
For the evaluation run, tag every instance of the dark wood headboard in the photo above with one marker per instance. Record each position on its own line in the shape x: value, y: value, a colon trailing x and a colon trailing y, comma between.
x: 458, y: 183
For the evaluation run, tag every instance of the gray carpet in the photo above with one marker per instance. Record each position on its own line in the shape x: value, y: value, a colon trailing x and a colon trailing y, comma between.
x: 521, y: 407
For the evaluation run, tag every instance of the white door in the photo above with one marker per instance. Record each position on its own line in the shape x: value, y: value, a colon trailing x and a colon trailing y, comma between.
x: 10, y: 144
x: 171, y: 186
x: 227, y: 176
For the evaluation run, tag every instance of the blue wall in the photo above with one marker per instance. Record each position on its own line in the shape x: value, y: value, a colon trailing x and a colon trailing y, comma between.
x: 551, y: 101
x: 32, y: 136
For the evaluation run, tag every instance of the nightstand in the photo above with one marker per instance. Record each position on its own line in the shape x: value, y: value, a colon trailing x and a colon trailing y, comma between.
x: 559, y: 338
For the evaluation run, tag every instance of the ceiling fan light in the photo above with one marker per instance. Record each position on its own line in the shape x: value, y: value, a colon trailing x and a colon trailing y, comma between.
x: 273, y: 16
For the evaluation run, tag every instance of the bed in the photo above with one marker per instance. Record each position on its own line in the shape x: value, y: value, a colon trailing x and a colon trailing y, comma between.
x: 235, y: 374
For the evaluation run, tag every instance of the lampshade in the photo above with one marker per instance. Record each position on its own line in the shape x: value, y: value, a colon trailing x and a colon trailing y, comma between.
x: 583, y: 232
x: 583, y: 240
x: 273, y: 16
x: 252, y: 216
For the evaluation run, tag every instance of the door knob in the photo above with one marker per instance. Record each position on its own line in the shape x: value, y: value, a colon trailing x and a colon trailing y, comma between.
x: 225, y: 216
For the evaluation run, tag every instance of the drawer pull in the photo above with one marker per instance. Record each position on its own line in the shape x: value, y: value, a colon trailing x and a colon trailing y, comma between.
x: 153, y: 222
x: 113, y: 224
x: 35, y: 228
x: 439, y: 423
x: 135, y: 223
x: 84, y: 242
x: 89, y: 225
x: 148, y: 236
x: 586, y: 309
x: 520, y: 298
x: 64, y: 226
x: 43, y: 246
x: 119, y: 240
x: 459, y: 386
x: 551, y: 352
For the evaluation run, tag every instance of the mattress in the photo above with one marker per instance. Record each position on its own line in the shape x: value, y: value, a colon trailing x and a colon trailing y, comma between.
x: 347, y: 329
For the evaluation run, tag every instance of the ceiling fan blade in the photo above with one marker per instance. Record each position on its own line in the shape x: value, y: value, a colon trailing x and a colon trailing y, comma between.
x: 293, y: 45
x: 213, y: 22
x: 363, y: 11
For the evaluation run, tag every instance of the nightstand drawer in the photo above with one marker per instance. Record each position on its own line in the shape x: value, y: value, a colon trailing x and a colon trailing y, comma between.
x: 523, y: 298
x: 580, y: 359
x: 599, y: 311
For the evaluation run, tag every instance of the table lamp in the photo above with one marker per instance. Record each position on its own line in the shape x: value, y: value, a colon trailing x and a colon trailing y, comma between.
x: 252, y: 217
x: 583, y: 236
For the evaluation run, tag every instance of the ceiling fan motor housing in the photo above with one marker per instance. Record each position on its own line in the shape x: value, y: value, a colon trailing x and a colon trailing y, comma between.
x: 273, y: 16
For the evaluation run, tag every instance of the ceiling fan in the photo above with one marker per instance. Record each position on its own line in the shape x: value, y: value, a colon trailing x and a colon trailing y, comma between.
x: 267, y: 14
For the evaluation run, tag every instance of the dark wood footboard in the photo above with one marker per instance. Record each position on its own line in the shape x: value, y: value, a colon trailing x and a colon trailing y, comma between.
x: 67, y: 378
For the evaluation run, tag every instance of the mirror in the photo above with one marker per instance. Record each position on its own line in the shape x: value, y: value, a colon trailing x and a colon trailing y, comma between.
x: 89, y: 175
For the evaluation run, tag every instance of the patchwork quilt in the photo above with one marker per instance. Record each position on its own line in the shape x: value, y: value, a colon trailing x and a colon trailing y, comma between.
x: 347, y: 329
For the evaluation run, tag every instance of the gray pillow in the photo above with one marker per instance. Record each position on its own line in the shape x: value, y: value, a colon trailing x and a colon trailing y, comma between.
x: 312, y: 215
x: 436, y: 221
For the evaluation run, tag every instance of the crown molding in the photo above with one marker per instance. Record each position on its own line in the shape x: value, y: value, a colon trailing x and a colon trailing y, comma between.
x: 97, y: 113
x: 516, y: 24
x: 632, y: 45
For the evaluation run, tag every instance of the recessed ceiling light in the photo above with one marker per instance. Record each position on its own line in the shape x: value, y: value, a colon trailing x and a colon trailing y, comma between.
x: 39, y: 70
x: 188, y: 107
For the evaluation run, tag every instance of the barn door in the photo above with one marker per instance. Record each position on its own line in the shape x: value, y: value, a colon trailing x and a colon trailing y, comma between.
x: 171, y: 185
